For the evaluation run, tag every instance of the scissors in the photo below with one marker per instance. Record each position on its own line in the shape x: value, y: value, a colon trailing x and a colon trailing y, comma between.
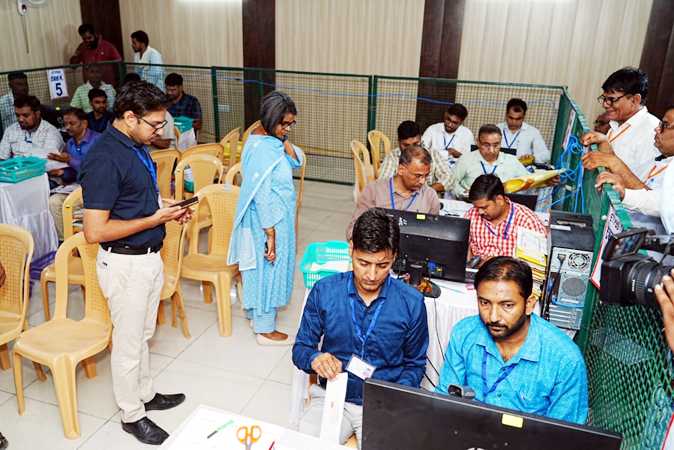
x: 249, y: 437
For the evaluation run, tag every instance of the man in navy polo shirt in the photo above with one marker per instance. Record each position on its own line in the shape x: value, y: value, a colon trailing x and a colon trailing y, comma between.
x: 123, y: 212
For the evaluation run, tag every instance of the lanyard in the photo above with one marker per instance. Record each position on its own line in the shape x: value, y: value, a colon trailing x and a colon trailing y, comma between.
x: 486, y: 391
x: 651, y: 176
x: 145, y: 158
x: 393, y: 204
x: 505, y: 138
x: 610, y: 133
x: 27, y: 137
x: 444, y: 139
x: 484, y: 169
x: 375, y: 317
x: 505, y: 232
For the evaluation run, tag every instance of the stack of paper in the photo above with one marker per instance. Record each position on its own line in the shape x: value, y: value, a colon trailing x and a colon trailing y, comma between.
x: 532, y: 248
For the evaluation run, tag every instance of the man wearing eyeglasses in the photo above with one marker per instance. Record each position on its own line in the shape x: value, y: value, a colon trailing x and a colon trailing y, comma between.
x: 641, y: 187
x: 632, y: 127
x: 487, y: 160
x: 30, y: 132
x: 602, y: 124
x: 123, y: 212
x: 450, y: 137
x: 407, y: 190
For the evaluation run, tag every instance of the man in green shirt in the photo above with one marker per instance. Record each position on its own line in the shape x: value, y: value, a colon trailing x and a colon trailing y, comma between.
x: 81, y: 96
x: 487, y: 160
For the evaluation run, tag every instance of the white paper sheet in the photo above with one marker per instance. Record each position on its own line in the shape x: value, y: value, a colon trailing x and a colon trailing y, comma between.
x: 340, y: 266
x: 333, y: 409
x: 43, y: 153
x: 67, y: 189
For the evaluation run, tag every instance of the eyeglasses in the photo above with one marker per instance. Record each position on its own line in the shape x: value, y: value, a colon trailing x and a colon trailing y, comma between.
x: 288, y: 125
x: 417, y: 176
x: 487, y: 145
x: 452, y: 122
x: 600, y: 123
x: 609, y: 100
x: 156, y: 128
x: 663, y: 126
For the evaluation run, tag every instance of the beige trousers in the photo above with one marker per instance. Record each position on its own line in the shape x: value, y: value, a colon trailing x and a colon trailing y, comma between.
x: 56, y: 207
x: 132, y: 284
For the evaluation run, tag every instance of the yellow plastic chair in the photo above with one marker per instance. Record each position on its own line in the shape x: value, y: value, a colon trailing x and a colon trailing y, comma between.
x: 166, y: 160
x: 299, y: 197
x: 230, y: 144
x: 16, y: 251
x: 205, y: 169
x: 361, y: 162
x: 249, y: 130
x: 376, y: 138
x: 176, y: 131
x: 231, y: 175
x: 215, y: 149
x: 75, y: 269
x: 172, y: 255
x: 212, y: 268
x: 62, y: 342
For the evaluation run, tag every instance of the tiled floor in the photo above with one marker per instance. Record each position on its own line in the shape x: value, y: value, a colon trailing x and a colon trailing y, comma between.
x: 234, y: 374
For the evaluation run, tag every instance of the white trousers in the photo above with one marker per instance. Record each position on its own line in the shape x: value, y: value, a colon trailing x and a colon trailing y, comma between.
x: 132, y: 284
x: 352, y: 421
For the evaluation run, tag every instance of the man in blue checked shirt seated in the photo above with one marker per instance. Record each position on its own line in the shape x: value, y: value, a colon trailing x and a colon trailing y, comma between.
x: 511, y: 357
x: 371, y: 324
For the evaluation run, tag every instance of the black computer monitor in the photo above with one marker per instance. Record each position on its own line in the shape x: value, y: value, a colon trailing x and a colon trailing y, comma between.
x: 401, y: 417
x: 438, y: 243
x: 528, y: 200
x: 510, y: 151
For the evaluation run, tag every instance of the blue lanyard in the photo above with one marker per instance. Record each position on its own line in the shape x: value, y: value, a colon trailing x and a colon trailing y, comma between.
x: 393, y: 204
x: 505, y: 138
x: 375, y: 317
x: 486, y: 391
x: 484, y: 169
x: 145, y: 158
x: 444, y: 139
x: 27, y: 137
x: 505, y: 232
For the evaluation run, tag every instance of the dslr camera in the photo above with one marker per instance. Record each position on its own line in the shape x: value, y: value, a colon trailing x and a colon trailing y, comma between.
x: 629, y: 277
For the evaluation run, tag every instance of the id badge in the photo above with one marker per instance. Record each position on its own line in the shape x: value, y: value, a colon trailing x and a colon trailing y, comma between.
x: 360, y: 368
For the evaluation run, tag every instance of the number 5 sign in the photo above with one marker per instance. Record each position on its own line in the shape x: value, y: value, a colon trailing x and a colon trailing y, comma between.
x: 58, y: 86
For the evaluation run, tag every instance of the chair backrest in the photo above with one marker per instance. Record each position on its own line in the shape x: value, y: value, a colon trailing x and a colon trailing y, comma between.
x: 176, y: 131
x: 231, y: 175
x: 216, y: 149
x: 376, y: 138
x: 361, y: 161
x: 166, y: 161
x: 231, y: 145
x: 249, y: 130
x: 205, y: 168
x: 96, y: 305
x: 67, y: 211
x: 221, y: 200
x: 16, y: 251
x: 172, y: 250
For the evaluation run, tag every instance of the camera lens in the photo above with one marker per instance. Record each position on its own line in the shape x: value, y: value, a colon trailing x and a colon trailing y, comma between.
x: 643, y: 277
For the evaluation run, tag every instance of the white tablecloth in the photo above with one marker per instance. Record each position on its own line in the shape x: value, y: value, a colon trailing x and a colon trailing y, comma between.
x: 26, y: 204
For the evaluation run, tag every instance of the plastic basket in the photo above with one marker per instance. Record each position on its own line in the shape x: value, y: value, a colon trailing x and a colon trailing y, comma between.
x: 19, y: 169
x: 183, y: 123
x: 322, y: 252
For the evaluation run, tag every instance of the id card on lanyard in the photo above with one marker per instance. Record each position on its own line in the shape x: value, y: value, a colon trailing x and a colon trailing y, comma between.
x: 393, y: 203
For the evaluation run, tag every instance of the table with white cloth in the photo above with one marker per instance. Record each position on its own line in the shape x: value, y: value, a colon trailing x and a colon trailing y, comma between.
x: 26, y: 204
x: 187, y: 139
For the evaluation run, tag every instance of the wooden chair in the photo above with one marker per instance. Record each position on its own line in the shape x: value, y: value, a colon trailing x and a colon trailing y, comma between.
x: 233, y: 174
x: 205, y: 168
x: 176, y: 131
x: 172, y: 255
x: 249, y: 130
x: 361, y: 161
x: 215, y: 149
x: 16, y: 252
x: 376, y: 138
x: 303, y: 170
x: 229, y: 142
x: 62, y: 342
x: 166, y: 160
x: 75, y: 269
x: 212, y: 267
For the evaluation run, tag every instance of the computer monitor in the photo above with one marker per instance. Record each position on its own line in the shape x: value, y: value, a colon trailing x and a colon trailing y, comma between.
x: 401, y: 417
x: 510, y: 151
x: 438, y: 243
x: 528, y: 200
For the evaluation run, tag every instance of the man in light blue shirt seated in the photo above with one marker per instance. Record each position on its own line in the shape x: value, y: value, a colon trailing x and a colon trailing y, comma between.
x: 512, y: 358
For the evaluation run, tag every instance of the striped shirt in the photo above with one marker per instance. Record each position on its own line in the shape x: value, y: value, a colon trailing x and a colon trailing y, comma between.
x: 501, y: 240
x: 17, y: 142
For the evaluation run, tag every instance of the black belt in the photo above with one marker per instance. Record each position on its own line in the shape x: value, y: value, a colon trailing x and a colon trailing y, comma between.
x: 126, y: 250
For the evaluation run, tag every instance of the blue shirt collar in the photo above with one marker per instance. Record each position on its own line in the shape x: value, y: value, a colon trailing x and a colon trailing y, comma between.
x: 531, y: 350
x: 88, y: 135
x: 383, y: 293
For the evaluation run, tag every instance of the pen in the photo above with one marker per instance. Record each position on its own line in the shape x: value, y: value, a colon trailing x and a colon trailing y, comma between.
x: 220, y: 429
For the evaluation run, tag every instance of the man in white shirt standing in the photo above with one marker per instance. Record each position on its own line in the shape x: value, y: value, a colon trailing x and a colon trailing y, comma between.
x: 144, y: 54
x: 519, y: 135
x: 632, y: 126
x: 450, y: 136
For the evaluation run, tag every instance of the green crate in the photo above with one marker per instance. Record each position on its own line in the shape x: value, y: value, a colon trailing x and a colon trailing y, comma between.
x: 322, y: 252
x: 19, y: 169
x: 183, y: 123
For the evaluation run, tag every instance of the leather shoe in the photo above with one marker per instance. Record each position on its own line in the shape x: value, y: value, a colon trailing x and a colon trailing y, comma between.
x: 146, y: 431
x: 161, y: 402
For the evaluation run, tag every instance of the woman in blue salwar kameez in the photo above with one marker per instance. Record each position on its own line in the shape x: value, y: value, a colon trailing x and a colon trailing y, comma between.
x: 263, y: 238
